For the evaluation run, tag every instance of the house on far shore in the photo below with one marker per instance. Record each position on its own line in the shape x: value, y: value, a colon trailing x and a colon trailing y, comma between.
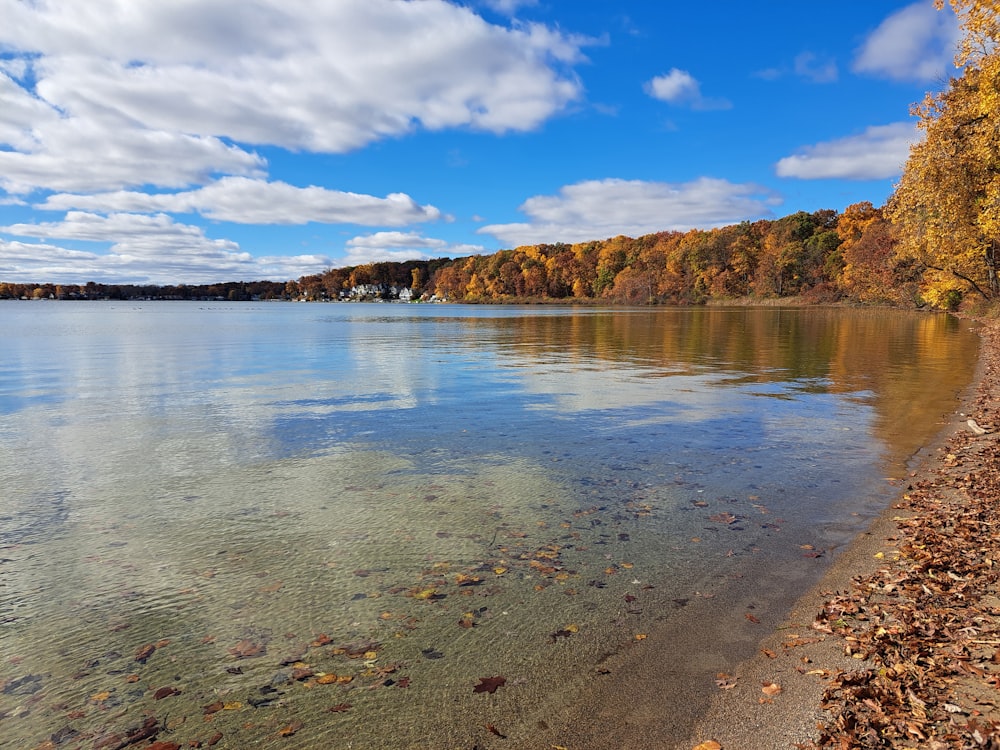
x: 384, y: 292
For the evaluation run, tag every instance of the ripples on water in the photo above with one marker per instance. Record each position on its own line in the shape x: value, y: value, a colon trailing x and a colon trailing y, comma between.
x: 323, y: 525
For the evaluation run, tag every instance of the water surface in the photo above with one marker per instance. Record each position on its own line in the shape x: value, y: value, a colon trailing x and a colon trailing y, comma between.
x: 287, y: 525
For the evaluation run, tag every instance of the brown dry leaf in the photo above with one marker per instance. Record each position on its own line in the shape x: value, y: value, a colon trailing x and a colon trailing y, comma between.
x: 725, y: 681
x: 489, y: 684
x: 771, y: 688
x: 247, y: 648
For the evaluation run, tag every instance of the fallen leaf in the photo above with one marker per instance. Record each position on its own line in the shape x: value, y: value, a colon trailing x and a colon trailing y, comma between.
x: 290, y: 729
x: 493, y: 730
x: 340, y: 708
x: 640, y: 636
x: 165, y: 692
x: 246, y: 648
x: 751, y: 618
x: 144, y: 652
x: 489, y: 684
x: 708, y: 745
x: 771, y: 688
x: 725, y: 681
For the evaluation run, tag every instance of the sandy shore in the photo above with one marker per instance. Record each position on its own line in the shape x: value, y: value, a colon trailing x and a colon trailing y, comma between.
x: 795, y: 683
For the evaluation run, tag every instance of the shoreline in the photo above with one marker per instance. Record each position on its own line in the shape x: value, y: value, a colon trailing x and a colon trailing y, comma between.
x: 794, y: 685
x: 855, y: 665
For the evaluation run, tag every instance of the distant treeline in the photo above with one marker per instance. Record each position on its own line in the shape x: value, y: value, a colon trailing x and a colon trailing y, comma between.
x: 822, y: 256
x: 233, y: 291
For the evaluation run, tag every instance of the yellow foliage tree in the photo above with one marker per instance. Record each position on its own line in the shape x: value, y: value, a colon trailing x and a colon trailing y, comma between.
x: 946, y: 207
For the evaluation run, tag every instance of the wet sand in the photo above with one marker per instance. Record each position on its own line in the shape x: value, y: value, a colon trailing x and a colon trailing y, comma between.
x: 756, y: 681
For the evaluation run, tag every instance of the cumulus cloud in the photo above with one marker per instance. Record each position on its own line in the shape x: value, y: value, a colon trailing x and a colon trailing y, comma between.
x: 324, y: 77
x: 681, y: 88
x: 597, y: 209
x: 402, y: 246
x: 914, y: 43
x: 243, y: 200
x: 140, y: 249
x: 85, y: 155
x: 876, y: 154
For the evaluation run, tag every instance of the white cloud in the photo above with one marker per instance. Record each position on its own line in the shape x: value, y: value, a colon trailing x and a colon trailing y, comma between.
x: 674, y: 86
x: 141, y: 250
x: 248, y: 201
x: 878, y: 153
x: 302, y: 74
x: 401, y: 246
x: 86, y: 155
x: 818, y: 70
x: 597, y: 209
x: 681, y: 88
x: 914, y: 43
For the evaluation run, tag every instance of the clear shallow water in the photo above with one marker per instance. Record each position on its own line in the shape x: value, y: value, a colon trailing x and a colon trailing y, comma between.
x: 322, y: 525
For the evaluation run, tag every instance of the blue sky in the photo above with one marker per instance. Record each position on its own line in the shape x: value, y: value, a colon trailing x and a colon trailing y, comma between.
x: 195, y: 141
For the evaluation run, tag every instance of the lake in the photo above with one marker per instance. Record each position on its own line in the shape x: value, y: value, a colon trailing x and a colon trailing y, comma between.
x: 421, y: 526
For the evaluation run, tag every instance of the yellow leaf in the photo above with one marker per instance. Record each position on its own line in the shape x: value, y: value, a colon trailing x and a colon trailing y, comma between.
x: 234, y: 706
x: 708, y: 745
x: 574, y: 628
x: 101, y: 696
x: 499, y: 571
x: 640, y: 636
